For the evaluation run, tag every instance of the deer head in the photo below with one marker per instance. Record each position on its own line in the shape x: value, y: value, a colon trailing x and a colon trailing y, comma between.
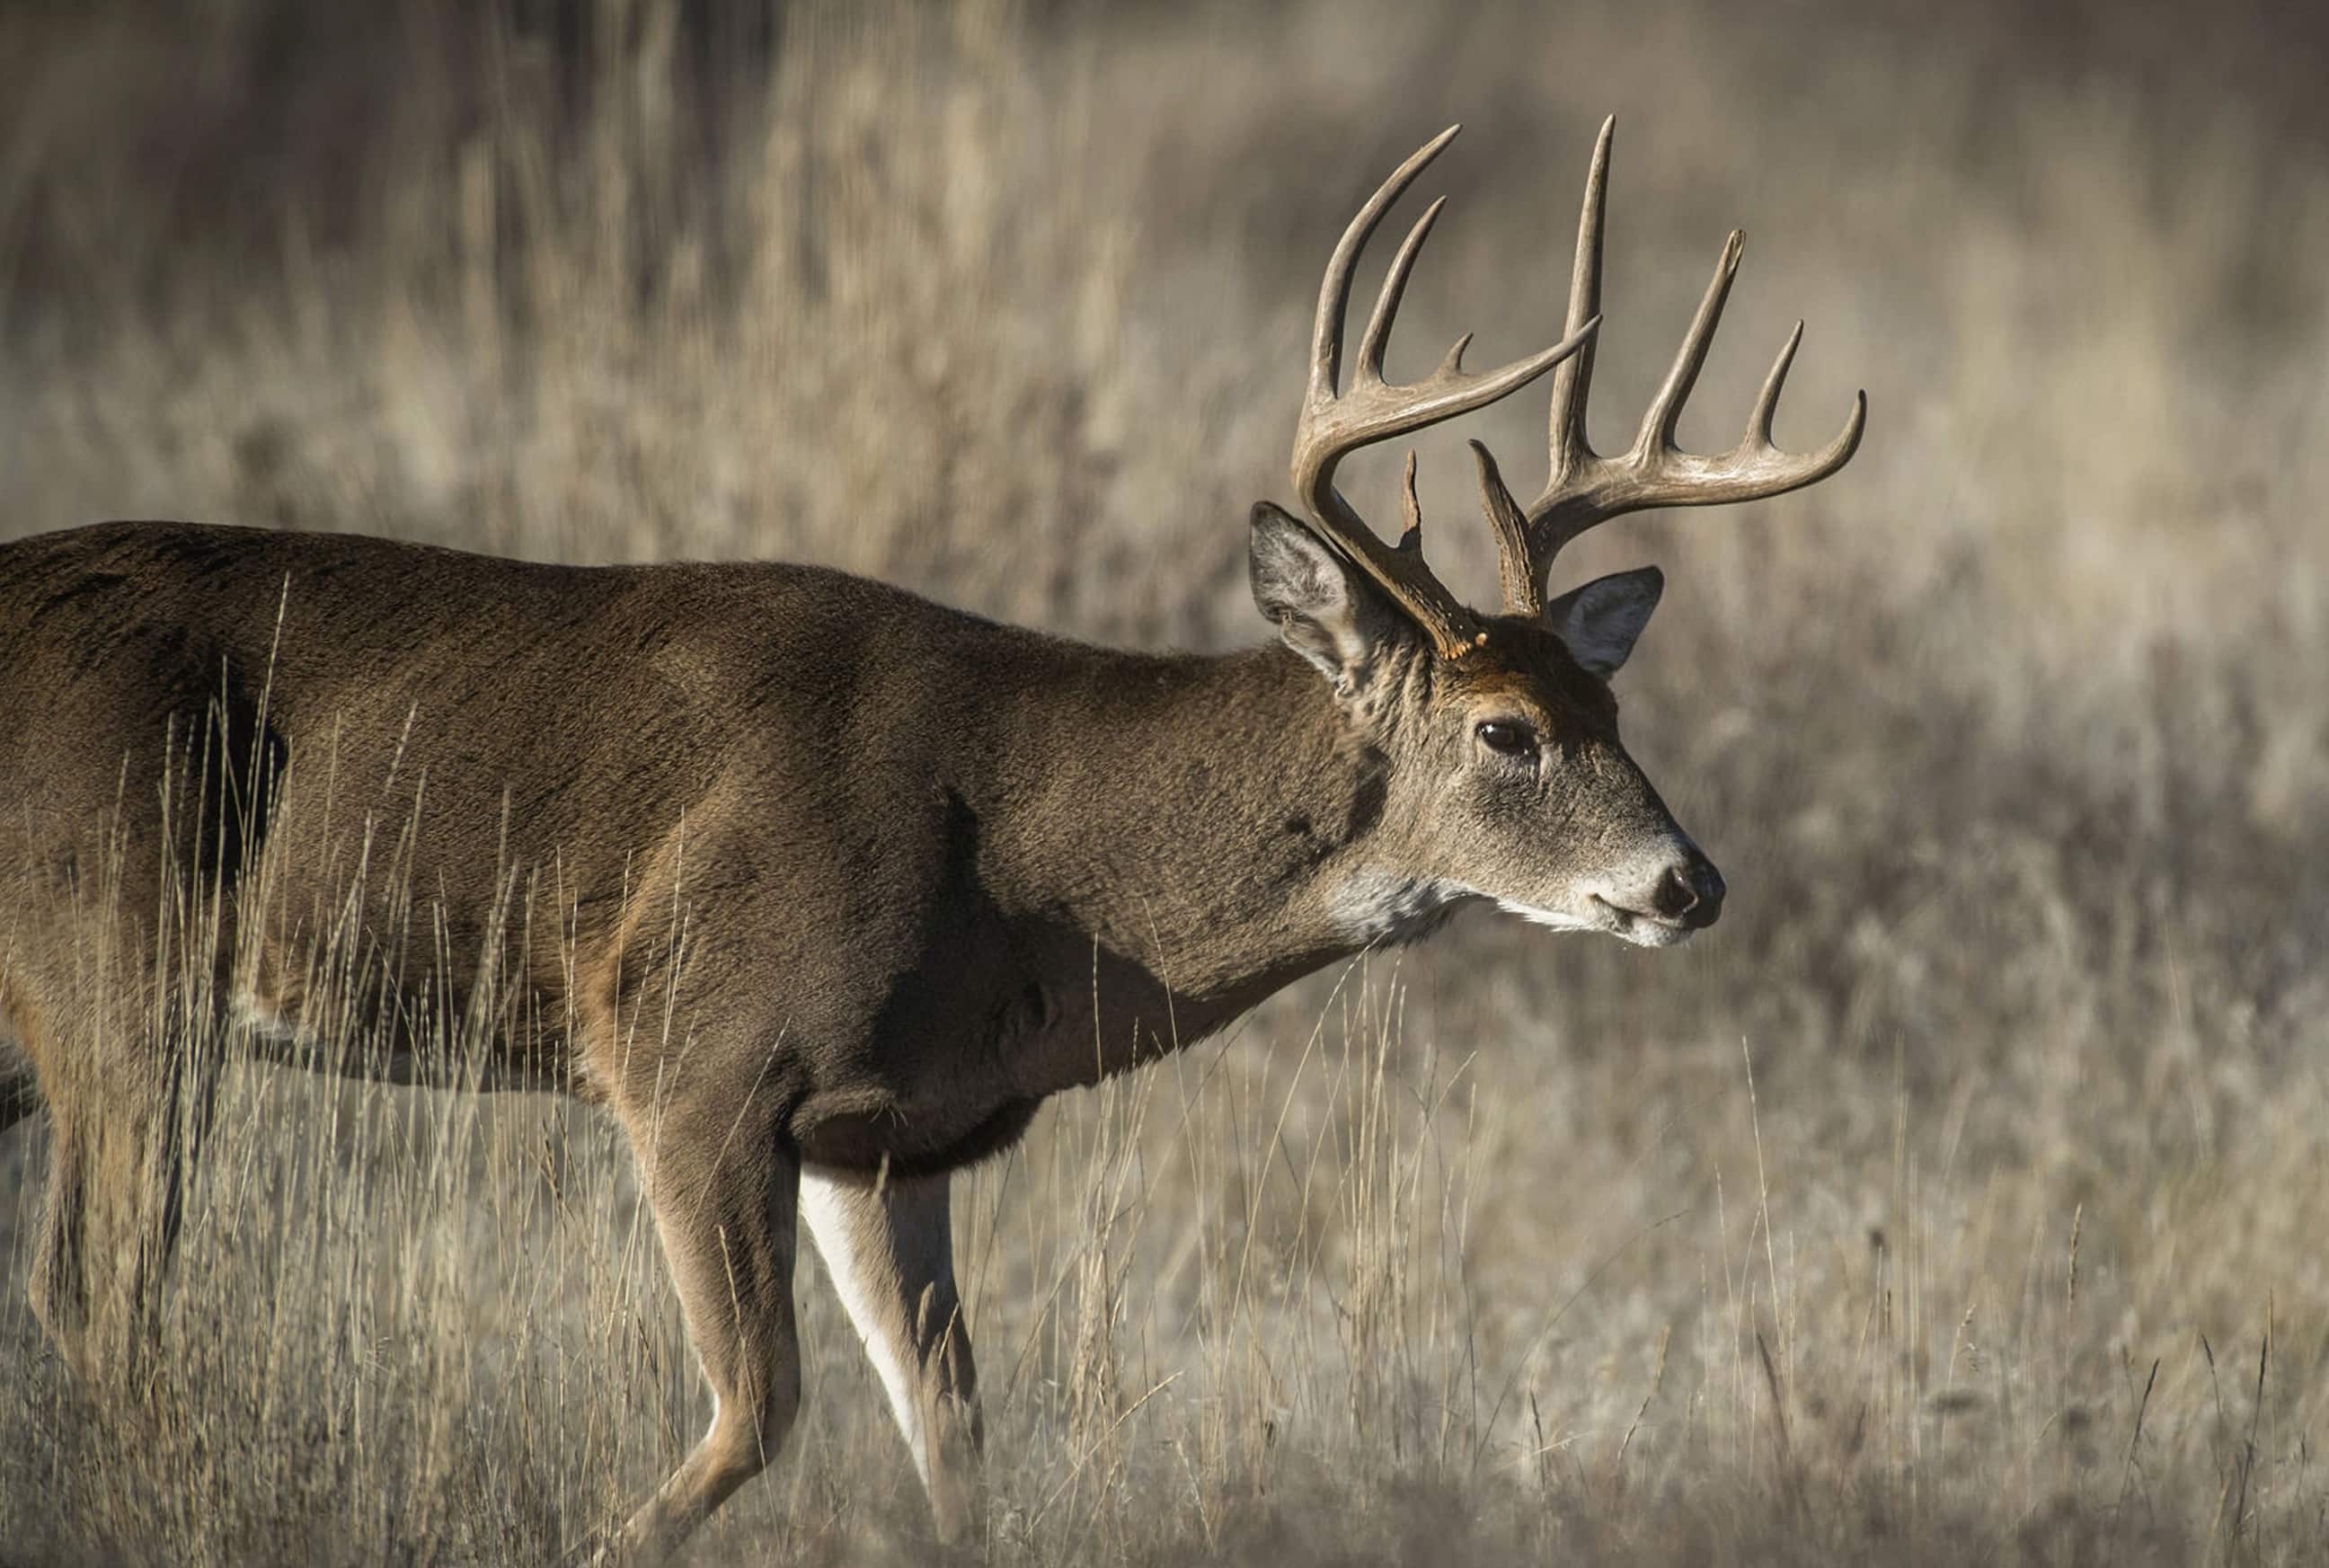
x: 1503, y: 773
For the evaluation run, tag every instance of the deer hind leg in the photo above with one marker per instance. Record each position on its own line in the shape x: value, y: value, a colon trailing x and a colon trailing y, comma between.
x: 59, y: 1287
x: 126, y: 1131
x: 20, y: 1086
x: 723, y: 1186
x: 889, y: 1246
x: 19, y: 1096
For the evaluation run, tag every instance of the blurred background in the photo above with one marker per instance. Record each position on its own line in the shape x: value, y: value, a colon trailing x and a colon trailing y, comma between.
x: 1959, y: 1194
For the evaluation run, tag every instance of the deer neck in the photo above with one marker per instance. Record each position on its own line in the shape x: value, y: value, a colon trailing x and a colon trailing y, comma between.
x: 1226, y: 828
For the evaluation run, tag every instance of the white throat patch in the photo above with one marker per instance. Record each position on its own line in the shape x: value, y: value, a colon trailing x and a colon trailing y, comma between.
x: 1382, y: 906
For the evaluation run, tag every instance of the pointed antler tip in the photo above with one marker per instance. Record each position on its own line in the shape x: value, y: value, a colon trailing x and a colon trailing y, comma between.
x: 1846, y: 444
x: 1411, y: 535
x: 1598, y: 169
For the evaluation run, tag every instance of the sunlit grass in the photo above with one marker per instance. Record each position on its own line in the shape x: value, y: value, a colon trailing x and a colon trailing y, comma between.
x: 2011, y: 741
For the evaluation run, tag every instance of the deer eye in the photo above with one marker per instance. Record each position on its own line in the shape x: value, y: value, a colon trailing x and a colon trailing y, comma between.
x: 1508, y: 738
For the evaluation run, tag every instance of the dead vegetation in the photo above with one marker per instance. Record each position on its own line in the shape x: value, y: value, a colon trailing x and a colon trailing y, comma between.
x: 1955, y: 1200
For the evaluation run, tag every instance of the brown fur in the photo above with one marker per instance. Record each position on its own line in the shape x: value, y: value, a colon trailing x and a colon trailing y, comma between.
x: 894, y: 874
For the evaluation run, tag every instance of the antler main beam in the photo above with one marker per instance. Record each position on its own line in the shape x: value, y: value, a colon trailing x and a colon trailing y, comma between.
x: 1337, y: 420
x: 1587, y: 489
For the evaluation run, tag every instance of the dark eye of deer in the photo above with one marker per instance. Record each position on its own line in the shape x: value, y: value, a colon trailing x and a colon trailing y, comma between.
x: 1508, y: 739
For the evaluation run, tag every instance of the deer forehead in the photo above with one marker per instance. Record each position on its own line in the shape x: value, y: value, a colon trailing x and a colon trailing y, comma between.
x: 1545, y: 688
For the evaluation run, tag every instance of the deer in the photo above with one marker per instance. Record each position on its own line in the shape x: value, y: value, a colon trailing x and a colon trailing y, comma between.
x: 818, y: 888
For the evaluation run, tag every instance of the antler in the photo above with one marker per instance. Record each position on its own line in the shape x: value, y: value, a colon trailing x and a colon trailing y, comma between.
x: 1336, y: 422
x: 1587, y: 489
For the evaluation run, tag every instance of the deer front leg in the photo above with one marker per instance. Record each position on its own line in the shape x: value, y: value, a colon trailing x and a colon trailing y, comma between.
x: 889, y: 1245
x: 723, y: 1187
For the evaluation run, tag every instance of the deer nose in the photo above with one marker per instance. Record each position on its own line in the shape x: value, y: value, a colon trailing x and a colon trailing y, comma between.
x: 1690, y: 893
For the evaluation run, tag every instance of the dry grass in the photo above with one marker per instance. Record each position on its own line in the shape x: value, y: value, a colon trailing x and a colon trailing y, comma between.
x: 1942, y: 1205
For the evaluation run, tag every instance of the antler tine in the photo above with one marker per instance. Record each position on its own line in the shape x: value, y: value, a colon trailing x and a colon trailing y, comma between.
x: 1828, y: 458
x: 1377, y: 337
x: 1335, y: 288
x: 1410, y: 534
x: 1573, y: 384
x: 1766, y: 402
x: 1524, y: 594
x: 1657, y: 433
x: 1586, y: 490
x: 1337, y: 420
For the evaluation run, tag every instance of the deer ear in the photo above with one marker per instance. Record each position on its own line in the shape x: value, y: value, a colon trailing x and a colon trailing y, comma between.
x: 1601, y: 621
x: 1323, y: 607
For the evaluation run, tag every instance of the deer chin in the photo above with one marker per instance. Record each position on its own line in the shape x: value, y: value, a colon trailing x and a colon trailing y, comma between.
x: 1628, y: 925
x: 1639, y: 927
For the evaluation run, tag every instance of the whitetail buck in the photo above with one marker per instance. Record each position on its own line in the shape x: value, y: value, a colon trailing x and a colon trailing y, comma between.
x: 819, y: 888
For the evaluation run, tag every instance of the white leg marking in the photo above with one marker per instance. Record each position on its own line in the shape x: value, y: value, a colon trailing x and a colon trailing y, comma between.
x: 865, y: 1275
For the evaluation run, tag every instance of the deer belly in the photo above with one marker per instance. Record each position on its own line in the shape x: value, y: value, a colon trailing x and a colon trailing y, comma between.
x: 272, y: 1032
x: 909, y: 1139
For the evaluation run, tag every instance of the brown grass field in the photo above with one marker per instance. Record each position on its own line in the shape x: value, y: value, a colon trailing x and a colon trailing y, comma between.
x: 1960, y: 1199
